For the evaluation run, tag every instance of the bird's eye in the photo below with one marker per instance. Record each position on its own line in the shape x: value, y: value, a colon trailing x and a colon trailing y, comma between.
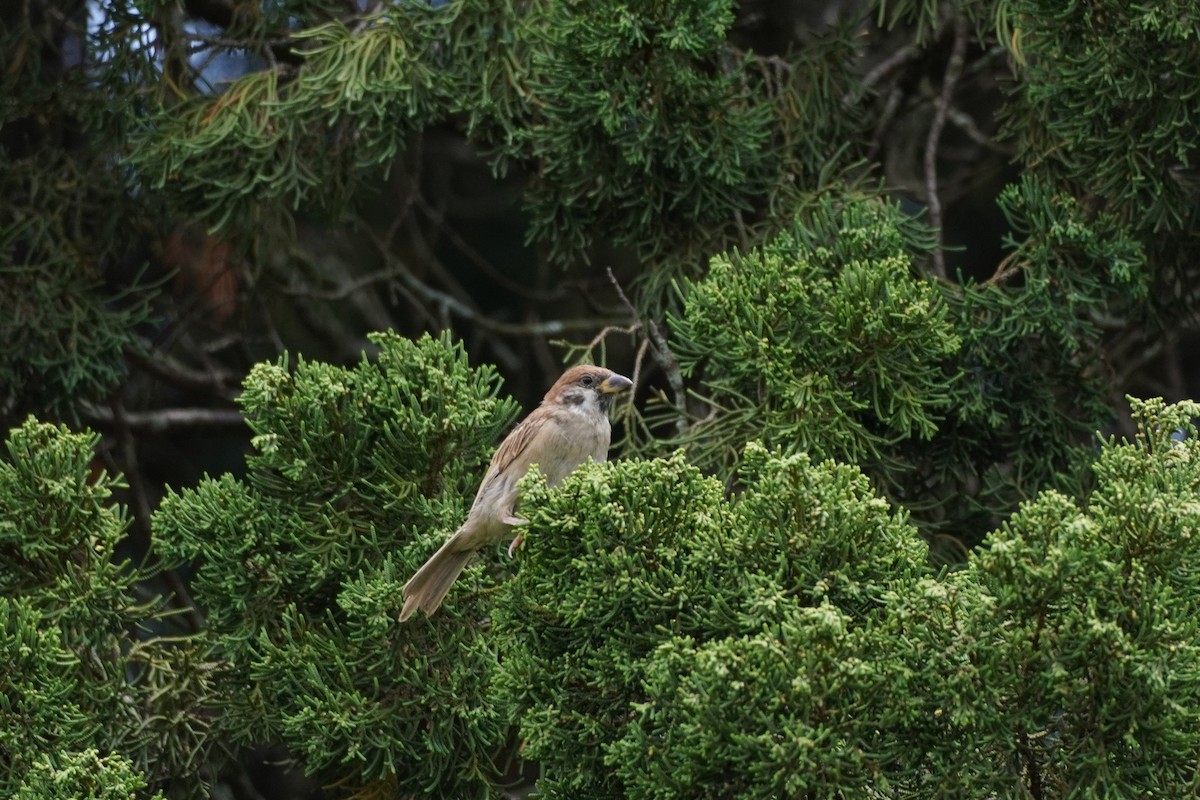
x: 587, y: 380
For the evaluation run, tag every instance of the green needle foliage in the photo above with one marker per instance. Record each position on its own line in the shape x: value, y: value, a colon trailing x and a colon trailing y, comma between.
x: 72, y: 240
x: 628, y: 560
x: 1105, y: 109
x: 84, y: 776
x: 653, y: 131
x: 358, y: 475
x: 1086, y: 630
x: 749, y: 601
x: 789, y: 642
x: 661, y: 638
x: 958, y: 400
x: 39, y: 711
x: 1107, y: 103
x: 65, y: 336
x: 353, y: 104
x: 832, y: 347
x: 87, y: 665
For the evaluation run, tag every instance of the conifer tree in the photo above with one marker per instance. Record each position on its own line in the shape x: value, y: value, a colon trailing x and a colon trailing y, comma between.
x: 882, y: 271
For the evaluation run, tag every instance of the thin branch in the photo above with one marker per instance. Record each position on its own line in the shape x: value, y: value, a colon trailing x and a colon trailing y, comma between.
x: 662, y: 354
x: 170, y: 370
x: 448, y: 303
x: 889, y: 65
x: 346, y: 288
x: 966, y: 123
x: 248, y: 44
x: 743, y: 235
x: 164, y: 419
x: 414, y: 157
x: 954, y: 69
x: 891, y: 106
x: 123, y: 426
x: 1131, y: 364
x: 141, y: 503
x: 438, y: 218
x: 428, y: 259
x: 1008, y: 267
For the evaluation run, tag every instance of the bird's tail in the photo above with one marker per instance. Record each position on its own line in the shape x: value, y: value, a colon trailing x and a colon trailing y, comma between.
x: 428, y: 587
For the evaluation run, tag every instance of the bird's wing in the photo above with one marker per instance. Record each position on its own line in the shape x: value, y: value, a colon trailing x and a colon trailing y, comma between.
x: 517, y: 443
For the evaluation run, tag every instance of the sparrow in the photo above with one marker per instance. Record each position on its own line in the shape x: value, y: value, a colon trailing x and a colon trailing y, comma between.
x: 566, y: 429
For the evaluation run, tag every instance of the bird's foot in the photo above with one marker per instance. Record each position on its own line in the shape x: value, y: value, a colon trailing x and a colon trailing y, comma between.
x: 514, y: 544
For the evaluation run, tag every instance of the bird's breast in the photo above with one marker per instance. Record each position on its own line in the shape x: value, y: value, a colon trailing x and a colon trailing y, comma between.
x: 579, y: 437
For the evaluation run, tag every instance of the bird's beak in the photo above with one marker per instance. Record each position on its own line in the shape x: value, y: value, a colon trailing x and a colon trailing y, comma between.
x: 615, y: 384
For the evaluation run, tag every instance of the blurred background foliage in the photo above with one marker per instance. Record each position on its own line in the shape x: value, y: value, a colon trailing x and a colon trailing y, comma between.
x: 936, y: 242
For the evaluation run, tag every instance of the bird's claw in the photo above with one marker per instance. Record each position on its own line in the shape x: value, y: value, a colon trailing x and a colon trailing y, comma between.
x: 514, y: 544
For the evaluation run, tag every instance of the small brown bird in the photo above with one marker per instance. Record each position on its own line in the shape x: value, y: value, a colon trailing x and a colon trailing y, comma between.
x: 569, y: 427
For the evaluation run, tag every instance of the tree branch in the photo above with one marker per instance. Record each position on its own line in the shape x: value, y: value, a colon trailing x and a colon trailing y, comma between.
x: 662, y: 354
x: 169, y: 370
x: 889, y: 65
x: 164, y: 419
x: 142, y: 514
x: 954, y: 69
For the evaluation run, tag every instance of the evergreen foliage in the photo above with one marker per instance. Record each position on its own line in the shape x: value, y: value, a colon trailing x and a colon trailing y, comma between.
x: 828, y: 341
x: 628, y: 562
x: 358, y: 96
x: 358, y: 474
x: 641, y: 128
x: 83, y: 776
x: 752, y: 600
x: 660, y: 638
x: 1053, y: 666
x: 649, y: 96
x: 88, y: 665
x: 1104, y: 110
x: 66, y: 339
x: 1086, y: 633
x: 71, y: 252
x: 822, y: 339
x: 1106, y: 104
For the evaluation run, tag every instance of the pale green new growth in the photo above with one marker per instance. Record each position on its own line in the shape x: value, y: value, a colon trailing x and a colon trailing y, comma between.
x: 661, y: 638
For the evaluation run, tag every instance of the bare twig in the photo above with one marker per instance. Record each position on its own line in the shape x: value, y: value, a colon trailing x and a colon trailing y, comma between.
x: 1007, y: 267
x: 1135, y: 352
x: 662, y: 354
x: 447, y: 303
x: 164, y: 419
x: 966, y: 123
x: 141, y: 503
x: 954, y: 69
x: 891, y: 107
x: 164, y: 367
x: 475, y: 257
x: 248, y: 44
x: 743, y: 235
x: 889, y: 65
x: 346, y: 288
x: 427, y: 257
x: 123, y: 426
x: 414, y: 157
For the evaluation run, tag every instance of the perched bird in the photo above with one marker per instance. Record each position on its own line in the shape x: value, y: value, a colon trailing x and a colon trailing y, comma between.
x: 569, y: 427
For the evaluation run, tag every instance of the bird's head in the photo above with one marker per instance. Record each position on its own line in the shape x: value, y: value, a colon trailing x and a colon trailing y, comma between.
x: 587, y: 388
